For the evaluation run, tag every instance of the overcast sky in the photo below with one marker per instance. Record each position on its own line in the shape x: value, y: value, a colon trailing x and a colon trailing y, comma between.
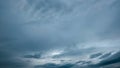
x: 59, y: 33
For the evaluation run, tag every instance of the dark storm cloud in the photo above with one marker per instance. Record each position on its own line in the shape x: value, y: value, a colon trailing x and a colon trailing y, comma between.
x: 8, y: 60
x: 12, y: 64
x: 111, y: 60
x: 115, y: 65
x: 51, y: 65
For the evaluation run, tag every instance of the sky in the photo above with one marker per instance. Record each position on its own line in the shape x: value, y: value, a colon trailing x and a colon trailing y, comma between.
x: 59, y: 33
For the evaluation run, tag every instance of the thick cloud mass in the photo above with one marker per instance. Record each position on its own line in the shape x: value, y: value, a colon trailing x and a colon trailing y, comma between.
x: 59, y: 34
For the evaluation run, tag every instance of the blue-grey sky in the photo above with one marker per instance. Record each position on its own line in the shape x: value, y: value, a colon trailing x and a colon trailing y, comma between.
x: 59, y: 33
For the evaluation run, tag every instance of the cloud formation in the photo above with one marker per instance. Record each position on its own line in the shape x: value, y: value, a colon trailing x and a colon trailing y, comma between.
x: 59, y: 33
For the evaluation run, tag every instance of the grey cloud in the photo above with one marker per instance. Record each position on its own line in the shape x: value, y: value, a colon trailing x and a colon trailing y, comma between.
x: 84, y: 62
x: 46, y: 5
x: 51, y: 65
x: 35, y: 56
x: 105, y: 55
x: 66, y: 66
x: 30, y: 26
x: 95, y: 55
x: 74, y: 51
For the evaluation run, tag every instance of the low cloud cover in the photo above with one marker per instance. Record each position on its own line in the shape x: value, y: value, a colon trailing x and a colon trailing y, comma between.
x: 59, y: 34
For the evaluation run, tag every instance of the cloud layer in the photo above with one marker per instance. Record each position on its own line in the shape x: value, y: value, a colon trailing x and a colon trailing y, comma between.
x: 59, y: 34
